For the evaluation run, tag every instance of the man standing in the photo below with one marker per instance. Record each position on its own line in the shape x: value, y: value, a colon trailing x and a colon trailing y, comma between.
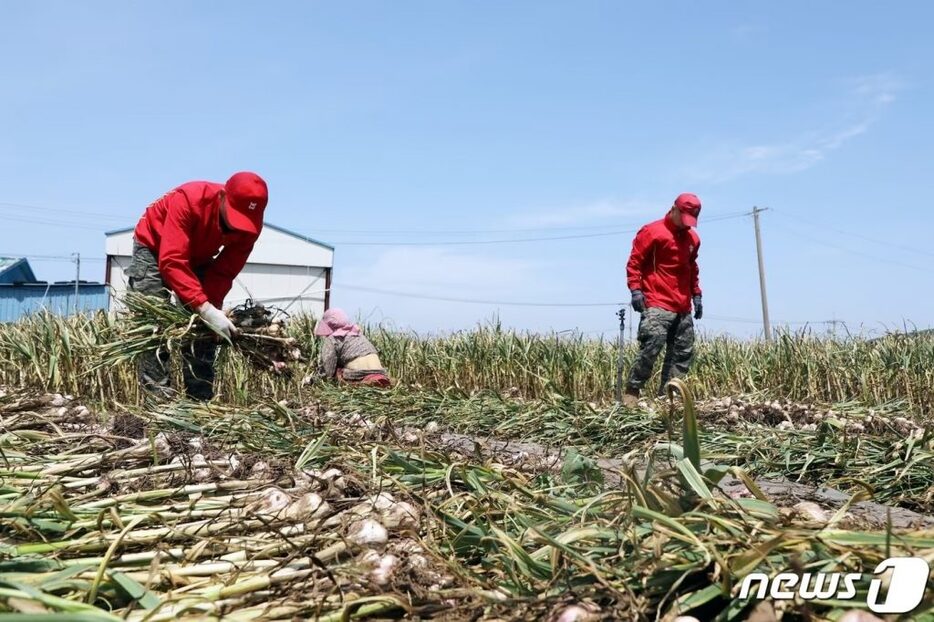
x: 175, y: 249
x: 662, y: 276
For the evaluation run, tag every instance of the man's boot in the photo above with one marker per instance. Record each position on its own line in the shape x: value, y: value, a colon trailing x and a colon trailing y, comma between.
x: 631, y: 398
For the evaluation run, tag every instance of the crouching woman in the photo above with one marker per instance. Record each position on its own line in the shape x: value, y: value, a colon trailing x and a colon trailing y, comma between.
x: 346, y: 354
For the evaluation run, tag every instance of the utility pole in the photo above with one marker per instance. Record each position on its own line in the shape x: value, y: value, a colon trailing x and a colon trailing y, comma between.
x: 619, y: 359
x: 765, y: 299
x: 833, y: 324
x: 77, y: 280
x: 632, y: 313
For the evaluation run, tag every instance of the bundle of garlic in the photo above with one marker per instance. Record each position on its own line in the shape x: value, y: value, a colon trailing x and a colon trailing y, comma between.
x: 263, y: 337
x: 152, y: 324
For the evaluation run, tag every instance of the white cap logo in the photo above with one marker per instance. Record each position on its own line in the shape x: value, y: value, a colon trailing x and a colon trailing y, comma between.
x: 252, y: 206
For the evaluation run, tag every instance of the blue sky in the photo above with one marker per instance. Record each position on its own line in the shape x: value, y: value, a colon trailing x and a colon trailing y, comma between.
x: 425, y: 122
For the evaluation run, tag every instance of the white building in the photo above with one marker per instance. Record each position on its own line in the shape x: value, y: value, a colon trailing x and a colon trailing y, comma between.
x: 285, y: 269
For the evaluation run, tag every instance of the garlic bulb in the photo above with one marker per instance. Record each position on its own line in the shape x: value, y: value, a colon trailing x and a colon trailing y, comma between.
x: 368, y: 533
x: 401, y: 514
x: 270, y: 502
x: 260, y: 470
x: 307, y: 507
x: 578, y: 613
x: 384, y: 569
x: 810, y: 511
x: 201, y: 471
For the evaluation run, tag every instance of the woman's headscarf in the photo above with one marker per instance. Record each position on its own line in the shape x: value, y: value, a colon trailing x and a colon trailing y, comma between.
x: 335, y: 323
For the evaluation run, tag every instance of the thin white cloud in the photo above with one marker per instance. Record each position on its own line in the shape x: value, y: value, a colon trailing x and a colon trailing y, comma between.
x: 879, y: 89
x: 597, y: 212
x: 869, y: 96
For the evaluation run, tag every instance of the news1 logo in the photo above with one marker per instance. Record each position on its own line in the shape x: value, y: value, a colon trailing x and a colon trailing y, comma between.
x: 906, y: 578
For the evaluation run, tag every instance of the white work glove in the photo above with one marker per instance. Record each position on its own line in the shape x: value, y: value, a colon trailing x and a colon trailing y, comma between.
x: 217, y: 321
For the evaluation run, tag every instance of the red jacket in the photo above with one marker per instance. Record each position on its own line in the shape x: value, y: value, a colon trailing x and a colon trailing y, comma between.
x: 663, y: 264
x: 183, y: 230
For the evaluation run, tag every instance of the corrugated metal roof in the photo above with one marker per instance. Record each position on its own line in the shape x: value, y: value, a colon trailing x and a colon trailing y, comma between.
x: 304, y: 238
x: 16, y: 270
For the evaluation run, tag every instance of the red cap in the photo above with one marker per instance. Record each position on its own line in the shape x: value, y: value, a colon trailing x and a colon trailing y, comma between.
x: 689, y: 206
x: 247, y: 196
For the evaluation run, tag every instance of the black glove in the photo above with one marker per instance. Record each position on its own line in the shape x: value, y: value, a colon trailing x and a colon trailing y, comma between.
x: 638, y: 301
x: 698, y: 308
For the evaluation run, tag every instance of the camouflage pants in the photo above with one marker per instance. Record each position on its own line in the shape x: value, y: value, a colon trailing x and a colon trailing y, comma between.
x: 660, y: 328
x: 154, y: 369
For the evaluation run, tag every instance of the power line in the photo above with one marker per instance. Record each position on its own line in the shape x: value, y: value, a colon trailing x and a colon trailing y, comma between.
x: 316, y: 295
x: 825, y: 227
x: 724, y: 318
x: 72, y: 225
x: 52, y: 223
x: 422, y: 232
x: 67, y: 258
x: 58, y: 210
x: 515, y: 240
x: 512, y: 303
x: 481, y: 242
x: 488, y: 231
x: 851, y: 251
x: 462, y: 231
x: 420, y: 296
x: 746, y: 320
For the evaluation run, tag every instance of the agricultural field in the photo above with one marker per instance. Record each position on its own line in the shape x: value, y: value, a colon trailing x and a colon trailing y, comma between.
x: 496, y: 481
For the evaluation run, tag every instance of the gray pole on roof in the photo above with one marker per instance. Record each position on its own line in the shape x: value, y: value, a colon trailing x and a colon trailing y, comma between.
x: 77, y: 257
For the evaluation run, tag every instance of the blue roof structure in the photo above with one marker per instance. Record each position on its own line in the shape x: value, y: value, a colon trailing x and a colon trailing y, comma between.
x: 22, y: 299
x: 21, y: 294
x: 16, y: 270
